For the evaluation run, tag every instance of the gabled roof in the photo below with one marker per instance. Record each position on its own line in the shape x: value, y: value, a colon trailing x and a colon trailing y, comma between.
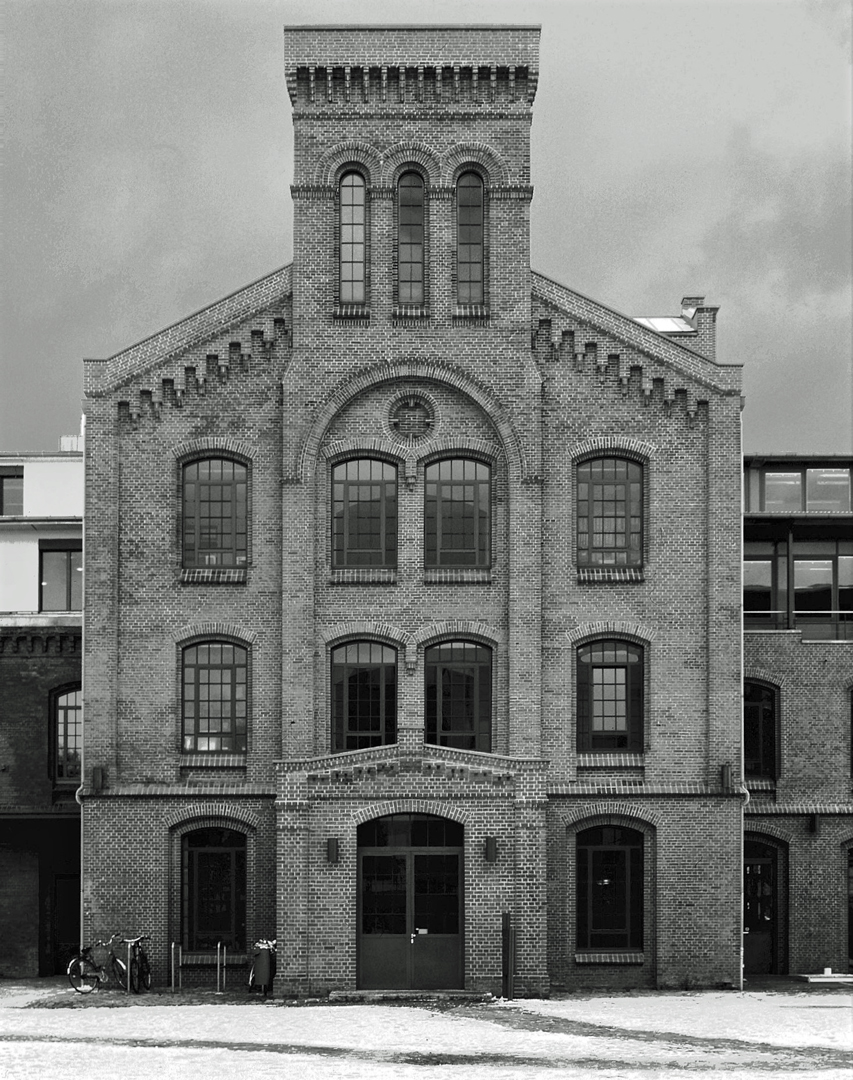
x: 637, y: 335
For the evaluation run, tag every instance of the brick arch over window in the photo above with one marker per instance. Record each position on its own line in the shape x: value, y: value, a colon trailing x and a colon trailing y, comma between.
x: 358, y: 156
x: 766, y: 832
x: 477, y: 157
x: 211, y: 816
x: 415, y: 157
x: 458, y: 629
x: 478, y: 448
x: 613, y: 446
x: 409, y: 806
x: 349, y: 448
x: 611, y: 628
x: 185, y: 634
x: 588, y: 816
x: 370, y: 629
x: 774, y: 679
x: 308, y: 450
x: 213, y: 447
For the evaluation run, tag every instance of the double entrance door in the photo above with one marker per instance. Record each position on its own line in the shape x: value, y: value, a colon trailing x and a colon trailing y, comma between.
x: 410, y: 903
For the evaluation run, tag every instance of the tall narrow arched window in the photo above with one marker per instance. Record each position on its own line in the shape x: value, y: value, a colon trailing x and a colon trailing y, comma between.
x: 610, y: 513
x: 364, y: 695
x: 457, y: 513
x: 215, y: 513
x: 215, y: 697
x: 469, y: 239
x: 610, y: 680
x: 609, y: 889
x: 459, y: 695
x: 213, y: 889
x: 364, y: 513
x: 66, y: 709
x: 759, y: 731
x: 352, y: 239
x: 410, y: 239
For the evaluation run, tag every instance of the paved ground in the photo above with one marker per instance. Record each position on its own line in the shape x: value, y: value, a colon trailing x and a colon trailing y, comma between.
x: 784, y: 1028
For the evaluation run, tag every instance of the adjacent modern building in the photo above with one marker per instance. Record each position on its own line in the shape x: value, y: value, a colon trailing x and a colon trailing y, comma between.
x: 414, y: 595
x: 41, y: 563
x: 798, y: 713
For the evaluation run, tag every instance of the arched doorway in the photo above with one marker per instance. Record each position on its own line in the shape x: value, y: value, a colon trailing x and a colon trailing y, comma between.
x: 761, y: 914
x: 410, y: 903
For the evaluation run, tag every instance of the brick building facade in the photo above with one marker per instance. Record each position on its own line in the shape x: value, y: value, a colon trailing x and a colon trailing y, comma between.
x: 41, y: 562
x: 413, y: 579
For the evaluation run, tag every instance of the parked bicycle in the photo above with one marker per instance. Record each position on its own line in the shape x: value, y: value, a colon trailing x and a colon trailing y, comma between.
x: 262, y: 971
x: 140, y: 969
x: 85, y: 973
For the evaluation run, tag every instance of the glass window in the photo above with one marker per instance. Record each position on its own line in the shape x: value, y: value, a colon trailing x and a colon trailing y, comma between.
x: 67, y: 717
x: 609, y: 889
x: 610, y: 513
x: 352, y: 239
x: 469, y: 239
x: 12, y: 493
x: 215, y: 517
x: 213, y: 867
x: 215, y: 698
x: 364, y: 695
x: 783, y: 491
x: 610, y: 697
x: 845, y: 587
x: 813, y: 586
x: 457, y: 513
x: 364, y: 514
x: 410, y: 239
x: 759, y: 731
x: 828, y: 489
x: 758, y: 587
x: 459, y: 695
x: 61, y: 579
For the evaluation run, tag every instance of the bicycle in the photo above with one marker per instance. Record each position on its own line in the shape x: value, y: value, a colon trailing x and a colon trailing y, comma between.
x: 140, y: 969
x: 85, y: 973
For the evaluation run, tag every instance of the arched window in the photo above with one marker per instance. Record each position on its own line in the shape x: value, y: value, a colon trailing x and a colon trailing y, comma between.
x: 410, y: 239
x: 66, y: 717
x: 213, y: 892
x: 457, y: 513
x: 215, y: 513
x: 364, y: 514
x: 459, y: 695
x: 610, y: 512
x: 609, y: 889
x: 469, y: 239
x: 215, y: 697
x: 610, y: 680
x: 759, y: 731
x: 352, y: 239
x: 364, y: 695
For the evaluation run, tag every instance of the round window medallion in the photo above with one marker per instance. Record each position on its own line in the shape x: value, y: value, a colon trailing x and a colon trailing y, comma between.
x: 412, y: 418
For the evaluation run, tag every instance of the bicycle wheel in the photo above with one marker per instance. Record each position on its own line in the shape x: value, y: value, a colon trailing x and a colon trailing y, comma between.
x: 82, y: 975
x: 134, y: 975
x: 119, y: 969
x: 145, y: 979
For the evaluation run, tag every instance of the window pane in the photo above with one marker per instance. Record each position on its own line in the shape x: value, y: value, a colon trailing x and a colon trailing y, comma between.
x: 364, y: 514
x: 759, y: 731
x: 352, y: 248
x: 12, y: 495
x: 214, y: 698
x: 783, y: 491
x: 828, y: 489
x: 813, y: 586
x: 364, y: 695
x: 68, y: 728
x: 457, y: 513
x: 459, y: 695
x: 609, y: 513
x: 55, y: 576
x: 469, y: 239
x: 758, y: 587
x: 215, y: 513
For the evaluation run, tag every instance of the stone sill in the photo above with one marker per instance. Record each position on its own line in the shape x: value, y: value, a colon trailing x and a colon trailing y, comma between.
x: 458, y: 576
x: 599, y: 575
x: 213, y: 761
x: 363, y: 575
x: 610, y: 958
x: 219, y: 575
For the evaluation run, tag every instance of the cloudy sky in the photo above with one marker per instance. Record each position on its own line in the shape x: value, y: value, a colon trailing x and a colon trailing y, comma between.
x: 690, y: 147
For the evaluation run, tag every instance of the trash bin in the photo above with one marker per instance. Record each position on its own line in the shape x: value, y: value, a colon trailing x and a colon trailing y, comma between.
x: 262, y: 972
